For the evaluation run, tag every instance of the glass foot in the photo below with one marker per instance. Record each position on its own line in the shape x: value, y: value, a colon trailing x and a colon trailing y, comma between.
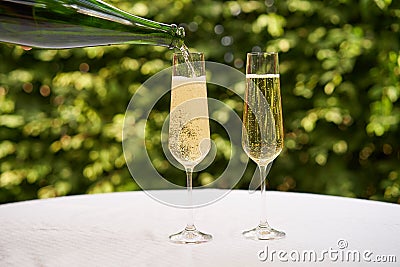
x: 263, y: 232
x: 190, y: 236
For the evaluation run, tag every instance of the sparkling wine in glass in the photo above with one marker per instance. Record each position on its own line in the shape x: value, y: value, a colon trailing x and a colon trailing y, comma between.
x: 189, y: 130
x: 262, y: 134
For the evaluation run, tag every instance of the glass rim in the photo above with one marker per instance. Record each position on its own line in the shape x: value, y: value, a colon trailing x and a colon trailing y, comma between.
x: 261, y: 53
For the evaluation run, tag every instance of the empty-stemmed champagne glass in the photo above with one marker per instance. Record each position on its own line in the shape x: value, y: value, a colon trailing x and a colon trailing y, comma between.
x: 262, y: 134
x: 189, y: 130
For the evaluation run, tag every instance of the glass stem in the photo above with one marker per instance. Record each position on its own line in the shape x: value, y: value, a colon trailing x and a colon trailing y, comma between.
x: 263, y: 177
x: 189, y: 185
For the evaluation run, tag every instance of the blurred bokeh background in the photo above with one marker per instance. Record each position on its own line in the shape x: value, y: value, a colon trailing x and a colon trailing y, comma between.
x: 62, y: 111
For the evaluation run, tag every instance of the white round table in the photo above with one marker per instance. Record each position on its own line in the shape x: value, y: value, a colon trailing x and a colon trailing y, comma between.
x: 132, y: 229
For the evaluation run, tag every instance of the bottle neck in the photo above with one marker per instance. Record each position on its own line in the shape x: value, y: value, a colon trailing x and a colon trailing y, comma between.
x: 80, y: 23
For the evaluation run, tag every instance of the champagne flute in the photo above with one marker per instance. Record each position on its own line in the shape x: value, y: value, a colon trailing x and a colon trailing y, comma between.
x: 262, y: 134
x: 189, y: 130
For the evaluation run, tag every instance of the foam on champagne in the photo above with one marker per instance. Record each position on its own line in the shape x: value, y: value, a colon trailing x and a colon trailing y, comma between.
x: 262, y: 76
x: 179, y: 80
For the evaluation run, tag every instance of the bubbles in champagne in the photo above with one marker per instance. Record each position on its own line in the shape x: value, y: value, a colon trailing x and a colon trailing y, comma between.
x: 262, y: 118
x: 190, y: 143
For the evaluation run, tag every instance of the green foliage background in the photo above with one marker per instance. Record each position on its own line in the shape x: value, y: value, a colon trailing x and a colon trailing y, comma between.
x: 61, y: 112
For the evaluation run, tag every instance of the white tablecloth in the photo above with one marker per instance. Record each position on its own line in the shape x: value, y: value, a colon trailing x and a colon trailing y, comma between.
x: 131, y: 229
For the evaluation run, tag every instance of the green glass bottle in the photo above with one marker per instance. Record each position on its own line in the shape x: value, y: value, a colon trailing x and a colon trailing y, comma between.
x: 57, y: 24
